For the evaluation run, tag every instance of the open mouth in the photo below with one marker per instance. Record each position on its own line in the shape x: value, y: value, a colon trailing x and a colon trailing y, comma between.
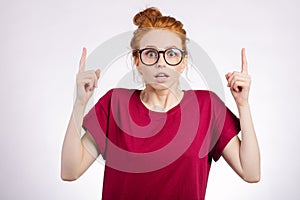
x: 161, y: 75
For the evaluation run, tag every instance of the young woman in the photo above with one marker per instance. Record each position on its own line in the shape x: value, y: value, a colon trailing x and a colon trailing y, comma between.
x: 159, y: 142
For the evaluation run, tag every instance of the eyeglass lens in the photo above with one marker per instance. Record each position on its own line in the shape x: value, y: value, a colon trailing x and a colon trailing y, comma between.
x: 172, y: 56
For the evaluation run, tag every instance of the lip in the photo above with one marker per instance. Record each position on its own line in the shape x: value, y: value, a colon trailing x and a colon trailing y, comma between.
x: 166, y: 75
x: 161, y: 79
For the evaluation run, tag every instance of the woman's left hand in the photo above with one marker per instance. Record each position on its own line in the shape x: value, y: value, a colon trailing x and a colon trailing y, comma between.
x: 239, y: 83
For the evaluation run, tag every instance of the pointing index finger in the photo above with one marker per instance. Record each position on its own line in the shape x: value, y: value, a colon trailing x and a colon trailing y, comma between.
x: 82, y: 60
x: 244, y: 62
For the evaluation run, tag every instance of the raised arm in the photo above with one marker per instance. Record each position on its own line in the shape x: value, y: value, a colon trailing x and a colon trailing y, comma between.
x: 76, y: 158
x: 243, y: 155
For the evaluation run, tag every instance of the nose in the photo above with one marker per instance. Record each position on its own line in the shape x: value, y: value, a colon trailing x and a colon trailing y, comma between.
x: 161, y: 61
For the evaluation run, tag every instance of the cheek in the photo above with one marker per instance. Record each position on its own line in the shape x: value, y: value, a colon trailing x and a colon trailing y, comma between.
x: 179, y: 69
x: 144, y: 71
x: 175, y: 74
x: 147, y: 74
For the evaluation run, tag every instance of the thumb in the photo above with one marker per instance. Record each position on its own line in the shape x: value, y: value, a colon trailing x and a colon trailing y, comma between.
x: 98, y: 76
x: 98, y: 73
x: 228, y: 75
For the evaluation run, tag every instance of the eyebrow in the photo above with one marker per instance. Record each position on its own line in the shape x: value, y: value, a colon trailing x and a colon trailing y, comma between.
x: 167, y: 47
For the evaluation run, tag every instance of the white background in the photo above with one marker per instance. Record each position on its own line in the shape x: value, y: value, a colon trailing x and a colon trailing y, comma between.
x: 40, y: 47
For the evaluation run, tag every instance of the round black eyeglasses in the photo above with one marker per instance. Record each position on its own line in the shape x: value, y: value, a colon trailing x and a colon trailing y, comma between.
x: 150, y: 56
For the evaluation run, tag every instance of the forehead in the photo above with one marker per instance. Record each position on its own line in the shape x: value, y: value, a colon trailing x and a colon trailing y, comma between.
x: 161, y: 39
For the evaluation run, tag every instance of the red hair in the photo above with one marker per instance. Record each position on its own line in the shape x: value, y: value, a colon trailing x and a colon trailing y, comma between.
x: 151, y: 18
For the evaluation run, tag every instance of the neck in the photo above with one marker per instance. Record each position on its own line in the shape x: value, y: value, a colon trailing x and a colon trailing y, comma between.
x: 161, y: 100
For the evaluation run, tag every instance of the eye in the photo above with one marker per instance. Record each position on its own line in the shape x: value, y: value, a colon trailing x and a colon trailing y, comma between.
x: 151, y: 53
x: 173, y: 53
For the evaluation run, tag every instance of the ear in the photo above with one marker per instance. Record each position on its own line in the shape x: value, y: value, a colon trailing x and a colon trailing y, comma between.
x: 136, y: 61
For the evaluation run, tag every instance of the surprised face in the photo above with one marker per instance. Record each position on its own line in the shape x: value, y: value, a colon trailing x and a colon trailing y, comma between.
x: 161, y: 75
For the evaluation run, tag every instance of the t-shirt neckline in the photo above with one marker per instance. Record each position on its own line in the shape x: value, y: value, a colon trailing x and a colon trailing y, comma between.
x: 171, y: 110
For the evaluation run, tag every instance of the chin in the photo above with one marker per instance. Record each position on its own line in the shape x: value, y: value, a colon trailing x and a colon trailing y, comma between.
x: 159, y: 86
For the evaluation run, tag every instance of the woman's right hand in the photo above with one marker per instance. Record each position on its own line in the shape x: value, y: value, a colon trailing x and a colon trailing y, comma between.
x: 86, y: 81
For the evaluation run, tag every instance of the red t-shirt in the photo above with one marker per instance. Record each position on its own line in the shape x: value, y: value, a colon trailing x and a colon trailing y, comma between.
x: 159, y: 155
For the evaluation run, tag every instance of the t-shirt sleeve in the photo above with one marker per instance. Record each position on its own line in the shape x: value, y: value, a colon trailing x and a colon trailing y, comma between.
x: 96, y: 121
x: 225, y: 126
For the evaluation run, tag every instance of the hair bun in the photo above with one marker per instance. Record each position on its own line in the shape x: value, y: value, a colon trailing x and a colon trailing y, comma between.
x: 148, y: 14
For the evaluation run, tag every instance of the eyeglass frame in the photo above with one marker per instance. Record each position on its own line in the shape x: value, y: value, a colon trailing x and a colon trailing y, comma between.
x: 140, y: 51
